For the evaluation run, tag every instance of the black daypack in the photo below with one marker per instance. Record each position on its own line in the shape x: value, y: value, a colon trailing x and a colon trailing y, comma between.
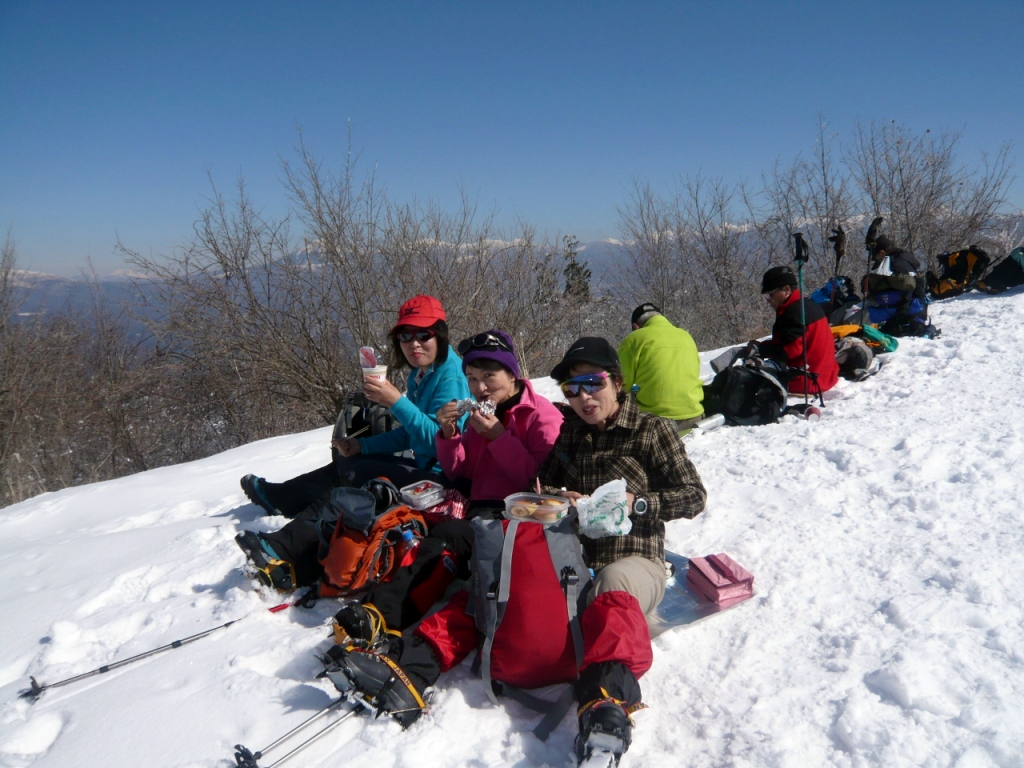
x: 361, y: 417
x: 746, y: 395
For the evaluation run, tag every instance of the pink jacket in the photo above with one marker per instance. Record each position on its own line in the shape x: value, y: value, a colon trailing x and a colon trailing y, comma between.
x: 504, y: 466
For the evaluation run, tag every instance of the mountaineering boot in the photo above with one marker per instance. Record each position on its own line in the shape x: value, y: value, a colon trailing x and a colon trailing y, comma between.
x: 253, y: 488
x: 271, y: 570
x: 605, y: 734
x: 377, y: 680
x: 362, y: 626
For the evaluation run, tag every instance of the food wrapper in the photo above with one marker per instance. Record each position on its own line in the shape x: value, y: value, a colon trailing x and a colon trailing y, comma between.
x: 605, y: 512
x: 368, y: 357
x: 486, y: 408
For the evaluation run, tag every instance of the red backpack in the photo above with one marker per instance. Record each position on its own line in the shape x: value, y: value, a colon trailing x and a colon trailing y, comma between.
x: 529, y: 590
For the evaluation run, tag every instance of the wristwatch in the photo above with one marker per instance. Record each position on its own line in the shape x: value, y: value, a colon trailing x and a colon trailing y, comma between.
x: 640, y: 506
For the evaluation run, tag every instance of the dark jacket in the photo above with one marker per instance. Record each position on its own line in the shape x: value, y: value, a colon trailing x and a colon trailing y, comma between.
x: 787, y: 344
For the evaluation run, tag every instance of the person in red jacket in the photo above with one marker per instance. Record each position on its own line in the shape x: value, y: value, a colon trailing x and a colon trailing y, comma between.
x: 779, y: 286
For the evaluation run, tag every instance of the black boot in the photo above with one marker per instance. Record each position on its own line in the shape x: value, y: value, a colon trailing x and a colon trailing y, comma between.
x: 377, y: 680
x: 271, y: 571
x: 254, y: 490
x: 605, y: 733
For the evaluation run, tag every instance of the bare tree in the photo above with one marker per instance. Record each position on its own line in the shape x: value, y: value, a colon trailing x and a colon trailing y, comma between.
x: 932, y: 202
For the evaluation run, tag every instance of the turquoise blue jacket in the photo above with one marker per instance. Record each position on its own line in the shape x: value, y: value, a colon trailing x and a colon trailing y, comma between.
x: 417, y: 412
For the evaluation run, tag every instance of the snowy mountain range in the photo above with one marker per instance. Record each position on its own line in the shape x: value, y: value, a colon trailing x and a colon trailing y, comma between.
x: 886, y: 540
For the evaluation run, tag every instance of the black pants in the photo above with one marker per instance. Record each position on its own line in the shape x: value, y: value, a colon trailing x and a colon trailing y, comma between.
x: 292, y: 497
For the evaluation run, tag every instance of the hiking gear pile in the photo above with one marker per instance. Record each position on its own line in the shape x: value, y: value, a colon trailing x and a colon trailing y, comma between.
x: 960, y: 271
x: 1008, y: 273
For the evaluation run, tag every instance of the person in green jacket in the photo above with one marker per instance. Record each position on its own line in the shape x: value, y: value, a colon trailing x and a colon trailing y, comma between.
x: 661, y: 361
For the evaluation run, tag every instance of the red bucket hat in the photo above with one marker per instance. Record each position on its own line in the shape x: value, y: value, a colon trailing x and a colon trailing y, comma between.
x: 420, y: 312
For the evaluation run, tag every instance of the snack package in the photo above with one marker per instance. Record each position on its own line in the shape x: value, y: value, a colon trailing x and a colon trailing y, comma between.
x: 535, y: 507
x: 605, y: 512
x: 368, y: 357
x: 487, y: 408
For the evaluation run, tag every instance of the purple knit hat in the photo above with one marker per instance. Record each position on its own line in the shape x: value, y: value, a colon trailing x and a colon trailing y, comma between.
x: 490, y: 345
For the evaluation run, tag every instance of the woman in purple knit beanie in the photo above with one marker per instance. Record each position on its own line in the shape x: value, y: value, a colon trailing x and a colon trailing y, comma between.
x: 500, y: 450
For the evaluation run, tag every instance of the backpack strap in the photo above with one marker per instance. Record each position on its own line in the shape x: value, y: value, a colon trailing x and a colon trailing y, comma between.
x: 499, y: 593
x: 553, y: 711
x: 565, y: 556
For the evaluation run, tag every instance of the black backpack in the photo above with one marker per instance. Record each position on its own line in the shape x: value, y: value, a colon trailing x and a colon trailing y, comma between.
x: 362, y: 418
x: 746, y: 395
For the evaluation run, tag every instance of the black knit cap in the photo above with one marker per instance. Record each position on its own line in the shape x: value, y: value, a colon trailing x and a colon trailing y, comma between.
x: 776, y: 277
x: 642, y: 310
x: 588, y: 349
x: 882, y: 243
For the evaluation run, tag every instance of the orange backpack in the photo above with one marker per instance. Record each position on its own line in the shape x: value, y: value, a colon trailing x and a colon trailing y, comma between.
x: 365, y: 547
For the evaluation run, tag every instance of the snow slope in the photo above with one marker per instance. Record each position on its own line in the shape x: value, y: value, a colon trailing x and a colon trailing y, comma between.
x: 886, y: 541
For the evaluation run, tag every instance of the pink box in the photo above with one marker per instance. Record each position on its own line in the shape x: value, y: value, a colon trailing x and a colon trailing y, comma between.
x: 720, y: 579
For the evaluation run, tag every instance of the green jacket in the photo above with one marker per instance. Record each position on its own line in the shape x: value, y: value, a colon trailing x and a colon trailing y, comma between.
x: 662, y: 361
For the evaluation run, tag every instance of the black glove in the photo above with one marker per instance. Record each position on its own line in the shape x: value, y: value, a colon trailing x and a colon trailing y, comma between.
x: 838, y: 241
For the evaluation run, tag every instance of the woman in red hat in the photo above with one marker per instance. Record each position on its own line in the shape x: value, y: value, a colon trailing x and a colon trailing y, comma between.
x: 419, y: 340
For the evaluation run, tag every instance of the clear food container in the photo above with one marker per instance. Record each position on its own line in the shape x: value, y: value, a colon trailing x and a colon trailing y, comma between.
x: 423, y: 495
x: 536, y: 507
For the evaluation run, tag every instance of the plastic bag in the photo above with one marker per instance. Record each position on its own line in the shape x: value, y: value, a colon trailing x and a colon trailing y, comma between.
x: 605, y: 512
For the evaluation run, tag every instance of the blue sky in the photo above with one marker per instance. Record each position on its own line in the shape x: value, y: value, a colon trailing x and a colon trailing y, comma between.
x: 112, y: 114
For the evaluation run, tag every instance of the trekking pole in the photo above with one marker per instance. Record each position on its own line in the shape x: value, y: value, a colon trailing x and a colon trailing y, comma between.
x: 37, y: 688
x: 247, y: 759
x: 869, y: 244
x: 838, y: 240
x: 800, y: 256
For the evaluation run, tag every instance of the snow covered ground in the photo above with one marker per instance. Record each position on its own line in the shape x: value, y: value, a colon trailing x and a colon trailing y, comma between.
x: 886, y: 540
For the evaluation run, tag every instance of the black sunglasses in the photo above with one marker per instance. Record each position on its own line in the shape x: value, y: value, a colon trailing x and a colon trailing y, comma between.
x: 421, y: 336
x: 484, y: 341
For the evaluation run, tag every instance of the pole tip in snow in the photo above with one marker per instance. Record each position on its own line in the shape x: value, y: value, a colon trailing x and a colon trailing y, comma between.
x: 32, y: 693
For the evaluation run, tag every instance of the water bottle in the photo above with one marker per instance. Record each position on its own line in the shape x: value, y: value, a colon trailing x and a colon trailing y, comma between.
x: 410, y: 544
x: 711, y: 422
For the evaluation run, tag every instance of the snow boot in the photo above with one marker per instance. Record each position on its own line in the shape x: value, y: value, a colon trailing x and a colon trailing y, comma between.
x: 605, y: 733
x: 375, y: 679
x: 362, y: 626
x: 271, y: 570
x: 253, y: 488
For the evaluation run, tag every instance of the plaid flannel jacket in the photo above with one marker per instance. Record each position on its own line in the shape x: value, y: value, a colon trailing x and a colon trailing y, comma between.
x: 645, y: 450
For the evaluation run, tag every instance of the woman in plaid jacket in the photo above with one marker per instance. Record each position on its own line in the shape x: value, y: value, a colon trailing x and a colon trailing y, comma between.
x: 606, y: 437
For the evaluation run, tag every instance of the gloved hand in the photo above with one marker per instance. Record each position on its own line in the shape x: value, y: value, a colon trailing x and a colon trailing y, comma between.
x: 838, y: 241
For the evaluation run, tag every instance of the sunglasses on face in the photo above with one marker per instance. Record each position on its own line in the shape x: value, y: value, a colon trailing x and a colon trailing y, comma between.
x: 589, y: 383
x: 484, y: 341
x: 421, y: 336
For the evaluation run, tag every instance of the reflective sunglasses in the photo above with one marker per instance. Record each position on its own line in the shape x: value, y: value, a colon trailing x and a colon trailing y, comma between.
x: 588, y: 382
x: 484, y: 341
x: 421, y: 336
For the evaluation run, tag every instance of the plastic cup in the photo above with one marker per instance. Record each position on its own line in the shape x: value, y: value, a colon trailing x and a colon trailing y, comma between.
x: 380, y: 372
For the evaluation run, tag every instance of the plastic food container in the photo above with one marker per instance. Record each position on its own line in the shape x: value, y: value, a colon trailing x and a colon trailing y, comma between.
x: 423, y: 495
x: 536, y: 507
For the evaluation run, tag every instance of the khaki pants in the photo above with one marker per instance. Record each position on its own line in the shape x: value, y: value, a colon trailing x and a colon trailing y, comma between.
x: 683, y: 426
x: 642, y: 578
